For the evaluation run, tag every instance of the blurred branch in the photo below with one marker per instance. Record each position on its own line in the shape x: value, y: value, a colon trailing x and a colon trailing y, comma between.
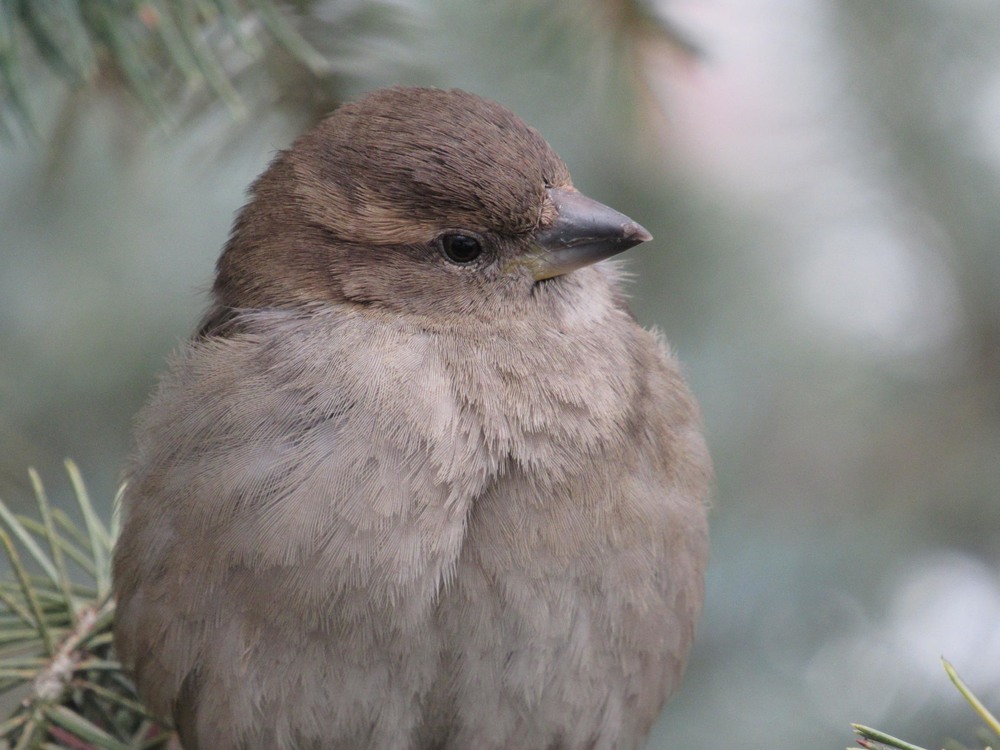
x: 640, y: 17
x: 172, y: 56
x: 626, y: 20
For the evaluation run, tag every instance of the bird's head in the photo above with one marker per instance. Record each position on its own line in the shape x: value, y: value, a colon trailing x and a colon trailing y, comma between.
x: 415, y: 201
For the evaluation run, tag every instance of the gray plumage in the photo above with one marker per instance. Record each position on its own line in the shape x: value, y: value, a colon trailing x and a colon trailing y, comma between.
x: 388, y: 501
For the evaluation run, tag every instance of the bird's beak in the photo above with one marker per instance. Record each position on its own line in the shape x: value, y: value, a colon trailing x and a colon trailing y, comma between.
x: 583, y: 232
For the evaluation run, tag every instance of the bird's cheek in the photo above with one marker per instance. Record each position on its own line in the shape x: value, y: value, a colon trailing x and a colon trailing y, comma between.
x: 530, y: 263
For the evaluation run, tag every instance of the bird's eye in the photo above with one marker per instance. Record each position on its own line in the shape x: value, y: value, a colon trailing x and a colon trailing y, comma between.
x: 460, y: 248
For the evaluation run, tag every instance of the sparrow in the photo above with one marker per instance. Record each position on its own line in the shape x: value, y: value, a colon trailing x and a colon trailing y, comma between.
x: 419, y: 480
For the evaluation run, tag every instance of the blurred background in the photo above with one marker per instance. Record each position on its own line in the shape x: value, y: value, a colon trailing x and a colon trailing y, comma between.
x: 822, y: 179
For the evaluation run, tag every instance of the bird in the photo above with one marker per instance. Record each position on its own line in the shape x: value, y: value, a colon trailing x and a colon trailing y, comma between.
x: 418, y: 480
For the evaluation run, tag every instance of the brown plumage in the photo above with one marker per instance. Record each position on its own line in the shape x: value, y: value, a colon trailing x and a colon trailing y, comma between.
x: 419, y: 482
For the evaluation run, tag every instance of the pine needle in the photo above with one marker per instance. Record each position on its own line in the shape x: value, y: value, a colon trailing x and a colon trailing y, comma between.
x: 56, y: 644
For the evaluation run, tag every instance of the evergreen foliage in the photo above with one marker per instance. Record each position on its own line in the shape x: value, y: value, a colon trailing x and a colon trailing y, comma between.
x: 56, y: 613
x: 176, y: 56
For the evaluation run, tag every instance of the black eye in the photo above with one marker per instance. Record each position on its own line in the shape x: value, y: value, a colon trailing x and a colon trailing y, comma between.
x: 460, y: 248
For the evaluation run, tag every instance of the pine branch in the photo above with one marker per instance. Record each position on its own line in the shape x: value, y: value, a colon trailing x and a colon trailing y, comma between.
x: 56, y: 613
x: 874, y: 739
x: 174, y: 57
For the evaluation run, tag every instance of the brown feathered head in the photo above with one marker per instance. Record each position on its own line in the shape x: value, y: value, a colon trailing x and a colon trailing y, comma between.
x: 414, y: 200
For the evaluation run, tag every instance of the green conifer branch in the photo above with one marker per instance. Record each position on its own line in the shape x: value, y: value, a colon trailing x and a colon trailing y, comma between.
x: 172, y: 56
x: 874, y: 739
x: 56, y: 614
